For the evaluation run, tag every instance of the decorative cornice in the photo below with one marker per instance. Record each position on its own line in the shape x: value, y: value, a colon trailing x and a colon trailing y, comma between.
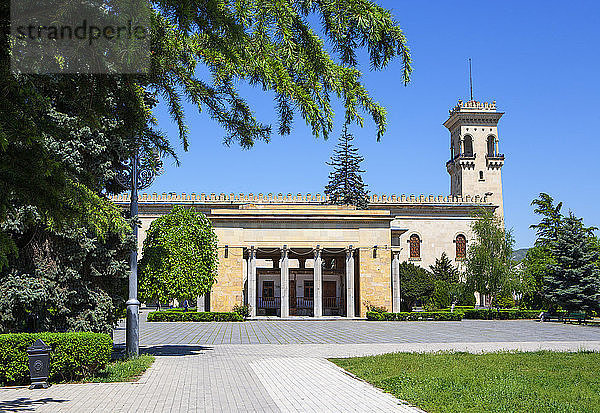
x: 473, y: 113
x: 289, y: 199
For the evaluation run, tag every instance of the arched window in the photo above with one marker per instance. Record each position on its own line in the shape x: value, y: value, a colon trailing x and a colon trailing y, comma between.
x: 415, y: 246
x: 468, y: 146
x: 491, y: 146
x: 461, y: 247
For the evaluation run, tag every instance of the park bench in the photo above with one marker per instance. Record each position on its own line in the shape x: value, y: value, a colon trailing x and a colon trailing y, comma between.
x: 579, y: 316
x: 550, y: 317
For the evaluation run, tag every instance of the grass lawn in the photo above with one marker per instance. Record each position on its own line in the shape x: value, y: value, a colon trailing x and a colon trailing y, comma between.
x: 123, y: 370
x: 498, y: 382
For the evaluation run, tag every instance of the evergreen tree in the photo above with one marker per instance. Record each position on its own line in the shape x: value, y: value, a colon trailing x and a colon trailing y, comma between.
x: 62, y: 280
x: 572, y: 280
x: 416, y: 284
x: 446, y: 282
x: 547, y: 229
x: 534, y: 268
x: 444, y: 270
x: 346, y: 186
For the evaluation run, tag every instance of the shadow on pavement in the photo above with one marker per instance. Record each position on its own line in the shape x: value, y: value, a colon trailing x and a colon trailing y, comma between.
x: 25, y: 404
x: 175, y: 350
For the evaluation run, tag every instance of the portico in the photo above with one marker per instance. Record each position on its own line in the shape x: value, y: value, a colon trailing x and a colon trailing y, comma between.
x: 312, y: 282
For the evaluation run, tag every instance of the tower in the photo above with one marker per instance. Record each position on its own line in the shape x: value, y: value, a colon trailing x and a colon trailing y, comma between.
x: 475, y: 162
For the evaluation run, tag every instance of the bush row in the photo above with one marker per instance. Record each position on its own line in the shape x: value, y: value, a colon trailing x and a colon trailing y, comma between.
x: 501, y: 314
x: 415, y: 316
x: 193, y: 316
x: 73, y: 357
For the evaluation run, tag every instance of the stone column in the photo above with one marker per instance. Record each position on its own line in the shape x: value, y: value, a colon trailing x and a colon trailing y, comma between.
x: 497, y: 150
x: 318, y: 283
x: 349, y: 282
x: 200, y: 303
x: 252, y: 281
x: 396, y: 281
x: 285, y: 283
x: 461, y: 143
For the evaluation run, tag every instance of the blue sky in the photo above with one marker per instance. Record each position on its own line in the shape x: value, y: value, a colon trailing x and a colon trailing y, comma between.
x: 539, y: 60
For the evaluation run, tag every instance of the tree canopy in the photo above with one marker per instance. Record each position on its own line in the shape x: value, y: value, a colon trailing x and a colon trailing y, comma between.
x: 279, y: 47
x: 564, y: 266
x: 64, y: 137
x: 444, y: 270
x: 179, y: 256
x: 489, y: 267
x: 573, y: 278
x: 61, y: 280
x: 416, y: 284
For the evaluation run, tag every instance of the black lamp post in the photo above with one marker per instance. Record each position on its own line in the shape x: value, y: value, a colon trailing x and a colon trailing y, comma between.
x: 136, y: 173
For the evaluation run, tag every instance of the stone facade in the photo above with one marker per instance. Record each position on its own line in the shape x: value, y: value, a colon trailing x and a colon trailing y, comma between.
x: 229, y: 288
x: 264, y: 239
x: 375, y: 279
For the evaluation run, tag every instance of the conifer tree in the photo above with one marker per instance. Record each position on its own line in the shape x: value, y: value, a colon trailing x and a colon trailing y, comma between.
x: 444, y: 270
x: 573, y: 279
x: 346, y: 186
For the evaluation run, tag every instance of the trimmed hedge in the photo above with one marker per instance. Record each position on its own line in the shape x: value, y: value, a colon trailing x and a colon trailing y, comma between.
x: 415, y: 316
x: 193, y: 316
x: 501, y: 314
x: 73, y: 357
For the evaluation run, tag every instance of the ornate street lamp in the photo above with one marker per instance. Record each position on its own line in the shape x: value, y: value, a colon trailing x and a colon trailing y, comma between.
x: 136, y: 173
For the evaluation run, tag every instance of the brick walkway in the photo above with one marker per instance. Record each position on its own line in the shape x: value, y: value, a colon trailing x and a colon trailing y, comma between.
x: 217, y: 374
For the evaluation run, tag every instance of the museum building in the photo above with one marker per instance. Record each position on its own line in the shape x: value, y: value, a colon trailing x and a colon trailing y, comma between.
x: 296, y: 255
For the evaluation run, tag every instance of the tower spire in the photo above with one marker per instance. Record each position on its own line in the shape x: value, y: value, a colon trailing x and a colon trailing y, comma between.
x: 470, y: 80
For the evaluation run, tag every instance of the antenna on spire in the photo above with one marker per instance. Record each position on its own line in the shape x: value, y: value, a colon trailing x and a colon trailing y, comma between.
x: 470, y: 79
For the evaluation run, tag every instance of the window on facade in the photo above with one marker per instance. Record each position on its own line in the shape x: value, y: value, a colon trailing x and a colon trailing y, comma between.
x: 481, y: 175
x: 461, y: 247
x: 309, y: 289
x: 396, y: 237
x: 468, y: 146
x: 491, y: 149
x: 415, y: 246
x: 268, y: 289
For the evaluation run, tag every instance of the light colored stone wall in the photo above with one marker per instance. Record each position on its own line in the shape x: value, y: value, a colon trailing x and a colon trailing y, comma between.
x: 375, y: 279
x: 437, y: 236
x: 228, y: 290
x: 492, y: 177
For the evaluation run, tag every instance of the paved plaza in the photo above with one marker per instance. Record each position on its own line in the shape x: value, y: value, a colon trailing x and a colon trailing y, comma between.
x: 281, y: 366
x: 356, y: 332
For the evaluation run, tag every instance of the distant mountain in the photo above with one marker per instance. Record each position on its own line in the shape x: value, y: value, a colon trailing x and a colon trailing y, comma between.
x: 518, y: 255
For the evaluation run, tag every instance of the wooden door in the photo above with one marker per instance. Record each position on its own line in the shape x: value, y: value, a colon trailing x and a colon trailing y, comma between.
x: 328, y: 288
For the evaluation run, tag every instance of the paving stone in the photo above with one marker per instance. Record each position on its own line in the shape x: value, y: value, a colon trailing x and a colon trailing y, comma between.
x: 281, y: 366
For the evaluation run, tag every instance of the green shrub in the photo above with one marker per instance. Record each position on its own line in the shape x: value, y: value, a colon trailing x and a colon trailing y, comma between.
x: 243, y: 310
x: 73, y: 357
x: 193, y: 316
x: 505, y: 300
x: 415, y: 316
x: 375, y: 308
x: 502, y: 314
